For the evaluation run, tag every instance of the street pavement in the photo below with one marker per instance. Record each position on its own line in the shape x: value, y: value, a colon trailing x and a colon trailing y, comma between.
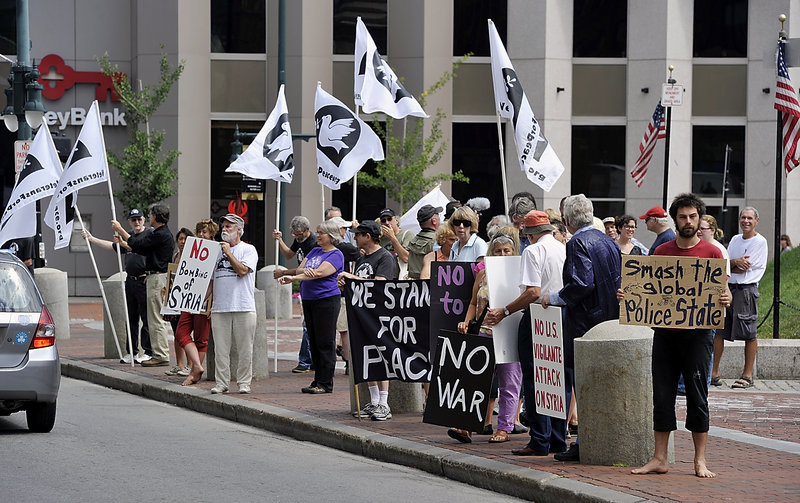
x: 754, y: 441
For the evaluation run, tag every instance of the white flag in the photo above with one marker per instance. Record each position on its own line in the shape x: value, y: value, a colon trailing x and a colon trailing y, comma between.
x: 536, y: 156
x: 271, y: 155
x: 377, y: 88
x: 435, y: 198
x: 344, y: 142
x: 87, y: 165
x: 38, y: 179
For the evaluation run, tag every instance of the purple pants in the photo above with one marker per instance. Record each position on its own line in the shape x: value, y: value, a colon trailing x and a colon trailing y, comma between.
x: 509, y: 380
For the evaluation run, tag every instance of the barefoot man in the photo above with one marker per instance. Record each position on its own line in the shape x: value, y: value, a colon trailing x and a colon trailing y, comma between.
x: 686, y: 352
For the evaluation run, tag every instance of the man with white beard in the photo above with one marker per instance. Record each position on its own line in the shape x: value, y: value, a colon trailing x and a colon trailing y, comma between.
x: 233, y: 310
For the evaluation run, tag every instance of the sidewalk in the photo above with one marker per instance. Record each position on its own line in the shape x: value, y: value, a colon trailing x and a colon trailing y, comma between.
x: 754, y: 442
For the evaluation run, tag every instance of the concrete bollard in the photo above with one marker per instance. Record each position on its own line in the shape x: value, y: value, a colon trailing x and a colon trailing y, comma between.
x: 52, y: 285
x: 614, y: 387
x: 405, y: 397
x: 266, y: 282
x: 114, y: 286
x: 260, y: 360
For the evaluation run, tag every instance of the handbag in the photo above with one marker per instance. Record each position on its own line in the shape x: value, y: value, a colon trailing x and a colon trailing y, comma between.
x: 474, y: 326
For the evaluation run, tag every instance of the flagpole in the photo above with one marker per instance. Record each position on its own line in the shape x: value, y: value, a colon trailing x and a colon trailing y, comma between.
x: 277, y: 255
x: 355, y: 185
x: 502, y: 162
x: 667, y: 134
x: 102, y: 290
x: 776, y: 261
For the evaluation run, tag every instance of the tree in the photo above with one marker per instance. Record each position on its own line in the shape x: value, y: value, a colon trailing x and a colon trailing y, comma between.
x: 408, y: 155
x: 147, y: 175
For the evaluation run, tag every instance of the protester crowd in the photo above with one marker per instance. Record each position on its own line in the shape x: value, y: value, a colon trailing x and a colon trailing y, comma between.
x: 568, y: 257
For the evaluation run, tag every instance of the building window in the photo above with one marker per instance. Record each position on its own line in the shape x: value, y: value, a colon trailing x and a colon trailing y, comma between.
x: 345, y: 12
x: 728, y: 220
x: 598, y: 167
x: 600, y: 28
x: 238, y: 26
x: 708, y: 160
x: 8, y: 27
x: 470, y: 29
x: 720, y: 29
x: 475, y: 152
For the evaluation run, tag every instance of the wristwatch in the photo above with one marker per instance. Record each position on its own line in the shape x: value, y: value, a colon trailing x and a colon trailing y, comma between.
x: 506, y: 311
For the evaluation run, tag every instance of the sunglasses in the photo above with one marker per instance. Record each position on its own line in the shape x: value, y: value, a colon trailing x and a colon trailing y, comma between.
x: 465, y: 223
x: 386, y: 220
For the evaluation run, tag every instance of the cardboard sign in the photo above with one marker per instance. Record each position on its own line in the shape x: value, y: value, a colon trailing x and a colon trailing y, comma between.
x: 451, y: 292
x: 387, y: 323
x: 195, y: 272
x: 172, y: 270
x: 462, y: 379
x: 548, y: 361
x: 673, y: 292
x: 503, y: 279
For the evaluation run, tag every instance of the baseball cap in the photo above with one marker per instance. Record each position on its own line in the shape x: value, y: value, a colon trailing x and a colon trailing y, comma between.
x: 655, y: 212
x: 609, y: 220
x: 369, y: 227
x: 537, y: 221
x: 427, y: 212
x: 387, y: 212
x: 135, y: 213
x: 234, y: 219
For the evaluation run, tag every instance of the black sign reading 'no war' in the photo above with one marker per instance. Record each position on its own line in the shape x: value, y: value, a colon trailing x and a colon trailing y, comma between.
x: 387, y: 322
x: 462, y: 378
x: 451, y: 292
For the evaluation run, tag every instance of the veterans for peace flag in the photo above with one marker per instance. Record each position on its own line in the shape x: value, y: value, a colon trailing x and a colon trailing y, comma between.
x: 271, y: 155
x: 536, y: 156
x: 38, y: 179
x: 377, y: 88
x: 87, y: 165
x: 344, y: 142
x: 435, y: 198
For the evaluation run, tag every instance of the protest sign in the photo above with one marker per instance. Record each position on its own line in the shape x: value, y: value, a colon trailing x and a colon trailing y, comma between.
x: 451, y: 292
x: 462, y: 380
x: 172, y: 270
x: 673, y: 292
x: 548, y: 361
x: 503, y: 279
x: 195, y: 272
x: 387, y: 324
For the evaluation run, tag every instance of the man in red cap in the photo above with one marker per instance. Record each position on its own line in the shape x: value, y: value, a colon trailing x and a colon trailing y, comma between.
x: 657, y: 221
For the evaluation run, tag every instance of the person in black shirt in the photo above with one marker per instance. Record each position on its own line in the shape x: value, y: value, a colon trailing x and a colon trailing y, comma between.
x: 135, y: 290
x: 157, y: 248
x: 23, y: 249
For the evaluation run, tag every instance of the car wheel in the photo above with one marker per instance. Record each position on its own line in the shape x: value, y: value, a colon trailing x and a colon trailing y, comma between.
x: 41, y: 417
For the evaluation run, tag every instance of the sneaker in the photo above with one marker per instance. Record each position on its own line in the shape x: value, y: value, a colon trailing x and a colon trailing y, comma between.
x: 126, y: 359
x: 366, y: 412
x: 185, y: 371
x: 381, y: 413
x: 299, y: 369
x: 143, y: 358
x: 244, y: 389
x: 173, y: 371
x: 219, y: 388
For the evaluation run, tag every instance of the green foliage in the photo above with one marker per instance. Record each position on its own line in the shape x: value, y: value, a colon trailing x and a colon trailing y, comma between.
x: 147, y: 173
x: 409, y: 152
x: 790, y: 294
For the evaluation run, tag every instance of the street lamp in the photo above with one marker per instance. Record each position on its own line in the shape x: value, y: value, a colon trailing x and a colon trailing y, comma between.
x: 24, y: 111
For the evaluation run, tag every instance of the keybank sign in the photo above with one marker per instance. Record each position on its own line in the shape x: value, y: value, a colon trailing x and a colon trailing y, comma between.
x: 57, y: 77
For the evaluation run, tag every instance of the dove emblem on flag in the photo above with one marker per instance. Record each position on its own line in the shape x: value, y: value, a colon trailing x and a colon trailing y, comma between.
x: 331, y: 133
x: 278, y: 145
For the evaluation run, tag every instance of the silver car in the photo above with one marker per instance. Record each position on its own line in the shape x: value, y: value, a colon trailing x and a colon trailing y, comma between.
x: 30, y: 373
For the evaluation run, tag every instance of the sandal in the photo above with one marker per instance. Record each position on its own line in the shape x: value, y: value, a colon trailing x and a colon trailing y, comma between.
x: 499, y: 437
x: 460, y: 435
x: 743, y: 383
x: 716, y: 381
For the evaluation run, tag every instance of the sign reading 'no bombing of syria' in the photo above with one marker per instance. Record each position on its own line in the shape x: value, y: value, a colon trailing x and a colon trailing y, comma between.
x: 673, y: 292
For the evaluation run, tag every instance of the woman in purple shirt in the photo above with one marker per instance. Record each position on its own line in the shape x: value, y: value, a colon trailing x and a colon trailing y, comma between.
x: 317, y: 276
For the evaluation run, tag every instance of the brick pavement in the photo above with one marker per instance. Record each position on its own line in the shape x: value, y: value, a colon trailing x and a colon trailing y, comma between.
x: 746, y: 471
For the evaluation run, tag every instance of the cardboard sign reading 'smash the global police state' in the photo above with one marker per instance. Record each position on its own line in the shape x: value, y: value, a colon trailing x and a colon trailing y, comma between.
x: 673, y: 292
x: 195, y: 271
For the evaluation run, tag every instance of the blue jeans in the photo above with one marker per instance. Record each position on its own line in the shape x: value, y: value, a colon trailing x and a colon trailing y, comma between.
x: 304, y: 356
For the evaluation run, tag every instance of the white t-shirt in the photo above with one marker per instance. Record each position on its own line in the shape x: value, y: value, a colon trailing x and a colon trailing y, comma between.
x: 724, y: 254
x: 542, y: 264
x: 756, y: 248
x: 234, y: 293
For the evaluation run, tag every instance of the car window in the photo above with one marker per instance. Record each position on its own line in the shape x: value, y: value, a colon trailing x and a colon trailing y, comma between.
x: 17, y: 291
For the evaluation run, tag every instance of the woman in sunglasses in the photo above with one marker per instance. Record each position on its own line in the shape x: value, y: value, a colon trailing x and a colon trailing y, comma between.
x: 469, y: 247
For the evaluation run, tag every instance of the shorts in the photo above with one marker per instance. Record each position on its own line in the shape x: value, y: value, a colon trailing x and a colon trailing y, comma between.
x: 341, y: 320
x: 741, y: 318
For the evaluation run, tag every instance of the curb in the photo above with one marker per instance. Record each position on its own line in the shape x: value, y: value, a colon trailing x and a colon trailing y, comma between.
x: 480, y: 472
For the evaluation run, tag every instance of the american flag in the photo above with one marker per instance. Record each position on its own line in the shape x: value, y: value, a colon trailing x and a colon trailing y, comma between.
x: 786, y: 102
x: 655, y: 131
